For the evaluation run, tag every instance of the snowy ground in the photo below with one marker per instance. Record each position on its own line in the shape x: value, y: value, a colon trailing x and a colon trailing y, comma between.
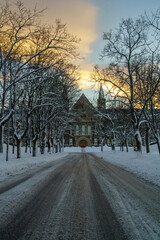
x: 146, y: 165
x: 16, y: 166
x: 79, y: 181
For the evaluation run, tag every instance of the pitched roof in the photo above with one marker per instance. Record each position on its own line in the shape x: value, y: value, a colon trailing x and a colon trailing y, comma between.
x: 83, y: 100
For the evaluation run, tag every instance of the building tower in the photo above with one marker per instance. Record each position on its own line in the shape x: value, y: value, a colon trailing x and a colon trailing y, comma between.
x: 101, y: 102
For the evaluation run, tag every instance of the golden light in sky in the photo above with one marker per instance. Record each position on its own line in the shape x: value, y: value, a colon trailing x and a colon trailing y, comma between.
x: 80, y: 17
x: 84, y: 81
x: 88, y: 20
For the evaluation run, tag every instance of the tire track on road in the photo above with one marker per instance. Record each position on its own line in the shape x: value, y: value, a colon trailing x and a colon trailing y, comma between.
x: 23, y: 224
x: 70, y: 205
x: 134, y: 201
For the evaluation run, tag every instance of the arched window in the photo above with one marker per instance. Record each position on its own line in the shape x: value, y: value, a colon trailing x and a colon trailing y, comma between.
x: 95, y: 141
x: 89, y: 129
x: 77, y: 130
x: 83, y: 129
x: 70, y: 141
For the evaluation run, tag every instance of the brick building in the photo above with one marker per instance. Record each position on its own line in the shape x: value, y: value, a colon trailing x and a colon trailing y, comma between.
x: 82, y: 132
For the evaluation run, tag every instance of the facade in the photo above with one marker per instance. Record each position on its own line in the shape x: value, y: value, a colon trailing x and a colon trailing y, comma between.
x: 82, y: 129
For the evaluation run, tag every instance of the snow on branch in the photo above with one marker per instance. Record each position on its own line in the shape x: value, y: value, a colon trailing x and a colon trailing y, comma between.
x: 6, y: 118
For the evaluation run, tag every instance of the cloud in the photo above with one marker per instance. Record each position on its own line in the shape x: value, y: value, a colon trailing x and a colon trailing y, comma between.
x: 81, y: 19
x: 79, y: 15
x: 85, y: 75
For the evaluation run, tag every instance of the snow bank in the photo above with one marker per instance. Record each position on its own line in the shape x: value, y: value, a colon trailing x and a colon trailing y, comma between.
x: 15, y: 166
x: 87, y: 149
x: 144, y: 165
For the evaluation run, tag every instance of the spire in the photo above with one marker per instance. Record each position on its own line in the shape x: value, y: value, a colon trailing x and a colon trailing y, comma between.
x: 101, y: 92
x: 101, y: 102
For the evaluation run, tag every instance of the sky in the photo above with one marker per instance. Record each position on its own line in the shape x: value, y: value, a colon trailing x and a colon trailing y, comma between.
x: 88, y: 19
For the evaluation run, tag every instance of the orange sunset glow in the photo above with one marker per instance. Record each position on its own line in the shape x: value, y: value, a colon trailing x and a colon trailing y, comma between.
x: 86, y: 19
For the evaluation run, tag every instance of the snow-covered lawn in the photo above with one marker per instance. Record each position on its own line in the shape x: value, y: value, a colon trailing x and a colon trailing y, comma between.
x: 146, y: 165
x: 25, y: 163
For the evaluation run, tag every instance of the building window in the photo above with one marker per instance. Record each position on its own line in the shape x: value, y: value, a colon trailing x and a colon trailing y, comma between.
x: 77, y: 130
x: 95, y: 141
x: 70, y: 141
x: 89, y: 130
x: 83, y: 129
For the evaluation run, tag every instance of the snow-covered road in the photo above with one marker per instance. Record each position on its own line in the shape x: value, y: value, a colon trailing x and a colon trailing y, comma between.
x: 78, y: 197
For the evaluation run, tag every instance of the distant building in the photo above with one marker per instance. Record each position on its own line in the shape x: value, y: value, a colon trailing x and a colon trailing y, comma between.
x: 82, y: 132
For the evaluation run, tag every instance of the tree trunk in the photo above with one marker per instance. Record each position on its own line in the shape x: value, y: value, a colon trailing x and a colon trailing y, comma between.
x: 48, y: 142
x: 42, y: 149
x: 113, y: 147
x: 63, y: 144
x: 147, y: 140
x: 158, y: 143
x: 56, y: 147
x: 60, y: 147
x: 49, y: 145
x: 30, y: 146
x: 34, y: 148
x: 1, y: 139
x: 53, y: 145
x: 43, y: 143
x: 18, y: 148
x: 126, y: 143
x: 26, y: 146
x: 138, y: 140
x: 13, y: 146
x: 102, y: 146
x: 113, y: 141
x: 7, y: 149
x: 122, y: 147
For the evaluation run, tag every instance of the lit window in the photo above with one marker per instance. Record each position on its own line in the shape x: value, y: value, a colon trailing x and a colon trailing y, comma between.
x: 95, y: 141
x: 83, y: 129
x: 89, y: 130
x: 77, y: 130
x: 70, y: 141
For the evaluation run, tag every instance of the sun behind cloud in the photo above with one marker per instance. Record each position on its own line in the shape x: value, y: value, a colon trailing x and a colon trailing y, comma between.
x: 84, y: 82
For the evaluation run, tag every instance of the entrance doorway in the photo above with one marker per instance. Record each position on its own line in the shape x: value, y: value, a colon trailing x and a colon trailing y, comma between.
x: 83, y: 143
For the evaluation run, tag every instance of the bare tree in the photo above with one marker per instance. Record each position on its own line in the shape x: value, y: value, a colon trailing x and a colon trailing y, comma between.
x: 23, y: 40
x: 126, y: 47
